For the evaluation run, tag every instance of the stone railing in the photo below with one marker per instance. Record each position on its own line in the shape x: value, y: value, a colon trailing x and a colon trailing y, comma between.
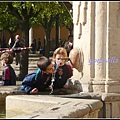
x: 68, y: 104
x: 48, y: 106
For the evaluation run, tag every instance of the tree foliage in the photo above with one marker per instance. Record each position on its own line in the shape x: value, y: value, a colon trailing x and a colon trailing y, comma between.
x: 66, y: 19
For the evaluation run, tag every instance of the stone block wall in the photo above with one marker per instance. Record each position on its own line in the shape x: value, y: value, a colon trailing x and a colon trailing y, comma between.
x: 97, y: 33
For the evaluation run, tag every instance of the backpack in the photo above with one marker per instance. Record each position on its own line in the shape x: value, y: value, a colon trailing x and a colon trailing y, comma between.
x: 12, y: 76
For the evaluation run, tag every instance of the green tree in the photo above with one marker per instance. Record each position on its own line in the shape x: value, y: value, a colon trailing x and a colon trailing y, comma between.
x: 66, y: 19
x: 47, y: 18
x: 10, y: 24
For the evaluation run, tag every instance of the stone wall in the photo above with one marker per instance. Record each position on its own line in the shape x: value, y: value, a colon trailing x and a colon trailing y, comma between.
x: 97, y: 33
x: 44, y: 106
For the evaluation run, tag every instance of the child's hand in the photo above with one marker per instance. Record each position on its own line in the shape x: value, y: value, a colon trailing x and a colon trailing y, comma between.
x: 33, y: 91
x: 65, y: 86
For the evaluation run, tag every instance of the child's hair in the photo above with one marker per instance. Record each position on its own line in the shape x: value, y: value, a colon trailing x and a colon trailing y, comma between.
x: 8, y: 56
x: 43, y: 63
x: 61, y: 51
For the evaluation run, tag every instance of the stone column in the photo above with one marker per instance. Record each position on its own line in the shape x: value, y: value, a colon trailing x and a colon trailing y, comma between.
x: 100, y: 42
x: 113, y: 48
x: 100, y: 47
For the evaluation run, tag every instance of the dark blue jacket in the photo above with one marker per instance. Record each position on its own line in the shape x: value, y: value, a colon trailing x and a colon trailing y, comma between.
x: 37, y: 79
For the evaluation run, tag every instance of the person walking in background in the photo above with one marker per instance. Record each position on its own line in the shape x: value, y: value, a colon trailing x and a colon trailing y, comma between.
x: 33, y: 45
x: 8, y: 74
x: 39, y: 44
x: 69, y: 44
x: 18, y: 43
x: 63, y: 70
x: 40, y: 48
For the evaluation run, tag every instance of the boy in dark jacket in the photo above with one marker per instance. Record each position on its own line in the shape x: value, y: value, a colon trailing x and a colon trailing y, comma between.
x: 8, y: 74
x: 40, y: 79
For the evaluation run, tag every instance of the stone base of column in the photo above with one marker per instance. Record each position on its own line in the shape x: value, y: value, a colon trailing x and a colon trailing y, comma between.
x: 112, y: 86
x: 111, y: 104
x: 101, y: 86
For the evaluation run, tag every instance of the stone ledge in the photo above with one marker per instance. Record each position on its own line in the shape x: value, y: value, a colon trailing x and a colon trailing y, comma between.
x: 110, y: 97
x: 6, y: 91
x: 44, y: 106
